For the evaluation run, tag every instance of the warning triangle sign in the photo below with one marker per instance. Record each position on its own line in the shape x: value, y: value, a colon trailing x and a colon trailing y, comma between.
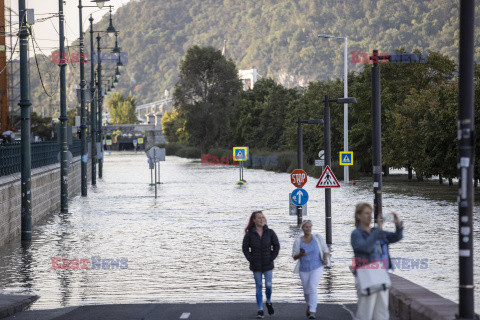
x: 328, y: 179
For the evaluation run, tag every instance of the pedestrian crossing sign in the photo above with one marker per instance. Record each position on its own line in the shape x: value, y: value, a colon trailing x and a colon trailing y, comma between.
x: 346, y: 158
x: 140, y: 140
x: 240, y: 153
x: 328, y: 179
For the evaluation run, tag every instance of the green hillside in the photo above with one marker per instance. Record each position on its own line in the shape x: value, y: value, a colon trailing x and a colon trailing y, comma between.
x: 277, y: 37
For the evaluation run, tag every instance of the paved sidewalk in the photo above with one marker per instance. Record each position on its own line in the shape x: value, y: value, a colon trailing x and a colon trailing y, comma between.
x: 201, y: 311
x: 13, y: 303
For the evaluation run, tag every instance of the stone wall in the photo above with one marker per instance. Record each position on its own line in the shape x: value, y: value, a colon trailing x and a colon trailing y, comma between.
x: 45, y: 196
x: 410, y: 301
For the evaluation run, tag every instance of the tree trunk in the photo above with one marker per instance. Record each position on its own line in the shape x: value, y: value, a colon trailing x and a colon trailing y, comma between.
x: 450, y: 182
x: 410, y: 172
x: 419, y: 177
x: 204, y: 151
x: 440, y: 179
x: 386, y: 170
x: 475, y: 183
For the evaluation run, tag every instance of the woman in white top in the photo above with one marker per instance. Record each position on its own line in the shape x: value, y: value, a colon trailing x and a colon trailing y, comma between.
x: 311, y: 256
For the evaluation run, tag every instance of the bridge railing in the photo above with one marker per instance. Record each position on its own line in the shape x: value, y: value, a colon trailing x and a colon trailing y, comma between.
x: 42, y: 153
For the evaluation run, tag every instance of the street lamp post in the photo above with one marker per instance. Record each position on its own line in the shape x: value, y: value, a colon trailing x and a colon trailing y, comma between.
x: 326, y: 134
x: 26, y: 163
x: 466, y: 157
x: 63, y: 116
x: 100, y: 103
x: 93, y: 108
x: 345, y: 95
x: 83, y: 126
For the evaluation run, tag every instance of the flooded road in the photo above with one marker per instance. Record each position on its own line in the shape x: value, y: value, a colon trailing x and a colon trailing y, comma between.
x: 185, y: 246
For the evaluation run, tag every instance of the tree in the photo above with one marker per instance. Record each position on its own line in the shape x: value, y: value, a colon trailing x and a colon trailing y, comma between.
x: 122, y: 109
x: 204, y: 95
x: 174, y: 127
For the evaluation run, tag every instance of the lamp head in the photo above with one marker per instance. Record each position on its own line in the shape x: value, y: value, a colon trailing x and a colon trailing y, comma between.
x: 100, y: 3
x: 346, y: 100
x: 111, y: 30
x: 325, y: 36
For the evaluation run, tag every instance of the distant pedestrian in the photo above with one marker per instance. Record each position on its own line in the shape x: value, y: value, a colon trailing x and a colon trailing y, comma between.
x: 370, y: 248
x: 311, y: 251
x: 261, y: 247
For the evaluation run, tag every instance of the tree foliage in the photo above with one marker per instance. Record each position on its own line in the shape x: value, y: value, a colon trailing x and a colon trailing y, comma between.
x: 204, y: 95
x: 122, y: 108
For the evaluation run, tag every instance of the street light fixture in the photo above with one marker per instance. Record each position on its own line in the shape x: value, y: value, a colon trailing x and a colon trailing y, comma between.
x: 120, y: 64
x: 117, y: 50
x: 345, y: 95
x: 100, y: 3
x: 111, y: 30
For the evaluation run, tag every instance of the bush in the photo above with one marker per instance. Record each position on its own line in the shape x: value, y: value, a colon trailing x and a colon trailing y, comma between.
x: 189, y: 152
x: 287, y: 161
x: 171, y: 149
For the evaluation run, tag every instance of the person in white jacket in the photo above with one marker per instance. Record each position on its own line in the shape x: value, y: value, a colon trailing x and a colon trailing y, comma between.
x: 311, y: 257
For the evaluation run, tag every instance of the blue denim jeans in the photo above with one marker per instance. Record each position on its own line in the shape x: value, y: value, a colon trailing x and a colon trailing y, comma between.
x: 257, y: 275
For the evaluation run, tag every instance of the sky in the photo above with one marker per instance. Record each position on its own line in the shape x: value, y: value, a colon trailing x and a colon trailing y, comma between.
x: 45, y: 32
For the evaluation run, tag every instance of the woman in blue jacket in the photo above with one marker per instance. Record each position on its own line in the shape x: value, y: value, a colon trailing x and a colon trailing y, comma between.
x: 370, y: 245
x: 261, y: 247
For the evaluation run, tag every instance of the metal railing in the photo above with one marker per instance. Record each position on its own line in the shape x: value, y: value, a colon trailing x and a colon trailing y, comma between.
x: 43, y: 154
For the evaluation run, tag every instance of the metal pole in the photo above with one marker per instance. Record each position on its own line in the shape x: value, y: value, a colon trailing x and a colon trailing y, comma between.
x: 25, y: 104
x: 100, y: 102
x: 154, y: 159
x: 328, y: 155
x: 466, y: 152
x: 63, y: 116
x: 299, y: 164
x: 83, y: 126
x: 345, y: 110
x: 376, y: 138
x: 93, y: 109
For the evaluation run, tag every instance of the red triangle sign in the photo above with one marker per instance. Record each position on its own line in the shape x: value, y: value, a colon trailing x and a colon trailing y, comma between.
x: 328, y: 179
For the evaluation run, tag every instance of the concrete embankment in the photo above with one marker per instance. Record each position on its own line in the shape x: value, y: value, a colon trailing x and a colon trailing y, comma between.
x: 45, y: 196
x: 409, y: 301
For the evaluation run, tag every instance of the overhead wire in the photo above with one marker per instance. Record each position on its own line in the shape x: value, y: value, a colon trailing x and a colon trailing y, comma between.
x: 38, y: 69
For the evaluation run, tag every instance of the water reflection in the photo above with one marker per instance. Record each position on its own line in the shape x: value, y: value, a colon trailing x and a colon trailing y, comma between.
x: 186, y: 245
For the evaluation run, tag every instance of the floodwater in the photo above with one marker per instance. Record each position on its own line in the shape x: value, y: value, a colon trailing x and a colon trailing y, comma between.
x: 185, y: 246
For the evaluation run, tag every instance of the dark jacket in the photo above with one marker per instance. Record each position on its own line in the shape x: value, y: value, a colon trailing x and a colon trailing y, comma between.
x: 260, y: 252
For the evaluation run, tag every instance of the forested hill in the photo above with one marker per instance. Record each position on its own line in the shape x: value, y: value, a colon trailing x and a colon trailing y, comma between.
x: 278, y: 37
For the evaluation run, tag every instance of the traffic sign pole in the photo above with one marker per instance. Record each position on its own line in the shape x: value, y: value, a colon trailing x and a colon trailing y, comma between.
x: 155, y: 156
x: 328, y: 192
x: 299, y: 164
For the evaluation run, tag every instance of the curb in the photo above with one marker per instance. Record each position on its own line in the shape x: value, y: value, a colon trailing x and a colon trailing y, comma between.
x: 11, y: 304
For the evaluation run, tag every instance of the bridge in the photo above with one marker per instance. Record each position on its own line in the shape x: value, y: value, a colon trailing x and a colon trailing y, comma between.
x: 155, y: 108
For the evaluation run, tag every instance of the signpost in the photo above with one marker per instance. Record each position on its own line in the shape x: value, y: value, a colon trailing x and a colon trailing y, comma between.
x: 298, y: 177
x: 293, y: 208
x: 240, y: 154
x: 155, y: 155
x: 346, y: 158
x: 299, y: 197
x: 328, y: 179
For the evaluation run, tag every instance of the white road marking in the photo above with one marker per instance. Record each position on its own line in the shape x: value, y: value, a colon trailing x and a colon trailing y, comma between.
x: 185, y: 315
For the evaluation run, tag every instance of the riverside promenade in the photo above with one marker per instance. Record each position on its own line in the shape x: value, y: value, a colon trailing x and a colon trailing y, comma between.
x: 408, y: 301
